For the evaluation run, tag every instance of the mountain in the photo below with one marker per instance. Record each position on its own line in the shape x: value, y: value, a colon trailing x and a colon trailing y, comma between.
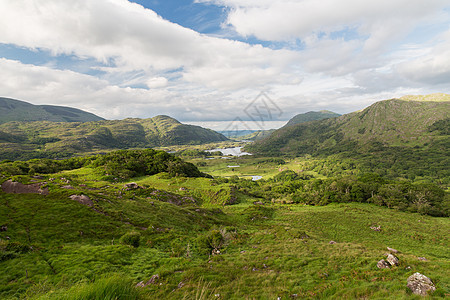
x: 408, y: 121
x: 311, y: 116
x: 15, y: 110
x: 408, y: 136
x: 255, y: 135
x: 20, y: 140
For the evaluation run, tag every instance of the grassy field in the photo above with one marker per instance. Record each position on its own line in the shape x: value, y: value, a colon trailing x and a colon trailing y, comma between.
x: 177, y: 236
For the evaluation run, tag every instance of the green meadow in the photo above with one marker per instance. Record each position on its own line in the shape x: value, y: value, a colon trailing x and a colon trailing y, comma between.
x: 178, y: 237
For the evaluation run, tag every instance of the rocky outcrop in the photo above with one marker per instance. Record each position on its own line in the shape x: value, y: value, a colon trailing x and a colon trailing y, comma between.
x: 13, y: 187
x: 83, y: 199
x: 420, y: 284
x: 392, y: 260
x: 382, y: 264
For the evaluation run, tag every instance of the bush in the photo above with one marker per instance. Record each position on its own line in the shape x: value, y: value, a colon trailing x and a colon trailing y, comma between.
x: 131, y: 238
x: 108, y: 288
x: 213, y: 240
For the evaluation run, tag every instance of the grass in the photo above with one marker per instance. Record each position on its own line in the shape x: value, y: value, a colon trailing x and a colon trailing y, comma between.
x: 268, y: 251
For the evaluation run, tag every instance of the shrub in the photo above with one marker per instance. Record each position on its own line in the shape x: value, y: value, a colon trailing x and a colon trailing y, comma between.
x: 131, y: 239
x: 213, y: 240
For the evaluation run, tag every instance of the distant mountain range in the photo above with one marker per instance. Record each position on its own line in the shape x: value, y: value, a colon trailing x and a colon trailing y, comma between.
x: 411, y: 121
x: 22, y: 140
x: 16, y: 110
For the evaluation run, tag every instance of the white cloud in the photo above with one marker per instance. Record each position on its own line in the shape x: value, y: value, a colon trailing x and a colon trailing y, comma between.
x: 134, y: 38
x: 433, y: 67
x: 331, y: 54
x: 157, y: 82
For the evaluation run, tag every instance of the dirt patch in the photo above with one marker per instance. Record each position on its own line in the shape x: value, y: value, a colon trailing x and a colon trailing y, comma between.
x: 12, y: 187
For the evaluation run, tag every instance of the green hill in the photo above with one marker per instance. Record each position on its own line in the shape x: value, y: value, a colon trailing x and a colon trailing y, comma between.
x: 410, y: 133
x: 311, y: 116
x: 15, y: 110
x: 22, y: 140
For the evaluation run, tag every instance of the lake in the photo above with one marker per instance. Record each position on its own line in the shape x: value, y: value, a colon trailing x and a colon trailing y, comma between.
x: 235, y: 151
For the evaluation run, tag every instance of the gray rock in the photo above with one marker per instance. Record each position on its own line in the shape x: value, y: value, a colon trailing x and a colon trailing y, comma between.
x: 382, y: 264
x: 392, y: 260
x: 83, y: 199
x: 422, y: 258
x: 332, y: 242
x: 132, y: 186
x: 420, y: 284
x: 392, y: 250
x: 152, y: 280
x: 375, y: 228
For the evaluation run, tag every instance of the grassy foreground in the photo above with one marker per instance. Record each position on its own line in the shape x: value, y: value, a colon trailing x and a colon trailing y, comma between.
x: 176, y: 236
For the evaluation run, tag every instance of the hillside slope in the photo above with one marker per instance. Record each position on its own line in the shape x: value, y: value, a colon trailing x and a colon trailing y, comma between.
x: 15, y: 110
x: 311, y: 116
x: 406, y: 137
x: 396, y: 122
x: 21, y: 140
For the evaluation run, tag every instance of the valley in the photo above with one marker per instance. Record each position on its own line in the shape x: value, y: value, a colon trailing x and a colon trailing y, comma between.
x: 310, y: 214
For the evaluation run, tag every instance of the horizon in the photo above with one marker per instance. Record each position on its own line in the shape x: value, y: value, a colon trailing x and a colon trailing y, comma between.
x: 209, y: 60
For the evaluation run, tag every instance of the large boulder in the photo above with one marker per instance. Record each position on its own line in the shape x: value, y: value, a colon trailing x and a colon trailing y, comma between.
x: 420, y: 284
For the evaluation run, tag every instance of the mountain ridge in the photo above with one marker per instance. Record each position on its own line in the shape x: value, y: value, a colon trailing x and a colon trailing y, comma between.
x: 44, y: 138
x: 389, y: 123
x: 17, y: 110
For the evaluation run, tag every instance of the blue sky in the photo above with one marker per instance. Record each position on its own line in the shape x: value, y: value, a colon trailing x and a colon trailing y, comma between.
x: 207, y: 60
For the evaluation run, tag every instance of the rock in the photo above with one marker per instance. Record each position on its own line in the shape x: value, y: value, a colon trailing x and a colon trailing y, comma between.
x: 152, y: 280
x: 258, y: 203
x: 67, y: 187
x: 422, y: 258
x: 420, y: 284
x: 131, y: 186
x: 392, y: 260
x: 83, y: 199
x: 182, y: 189
x: 332, y: 242
x: 382, y: 264
x: 376, y: 228
x: 4, y: 228
x: 392, y: 250
x: 12, y: 187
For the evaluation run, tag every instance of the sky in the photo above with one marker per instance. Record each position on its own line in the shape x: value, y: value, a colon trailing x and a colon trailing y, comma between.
x: 222, y: 61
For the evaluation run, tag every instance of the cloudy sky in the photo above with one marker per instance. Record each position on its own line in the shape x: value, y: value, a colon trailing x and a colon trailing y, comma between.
x: 208, y: 60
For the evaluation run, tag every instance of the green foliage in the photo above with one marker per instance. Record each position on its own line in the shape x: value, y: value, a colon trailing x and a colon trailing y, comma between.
x: 131, y: 238
x: 211, y: 241
x: 110, y: 287
x: 125, y: 164
x: 10, y: 250
x: 441, y: 126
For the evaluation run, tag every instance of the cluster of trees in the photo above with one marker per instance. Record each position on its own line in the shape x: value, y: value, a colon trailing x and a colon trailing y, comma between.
x: 118, y: 165
x: 292, y: 187
x: 124, y: 164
